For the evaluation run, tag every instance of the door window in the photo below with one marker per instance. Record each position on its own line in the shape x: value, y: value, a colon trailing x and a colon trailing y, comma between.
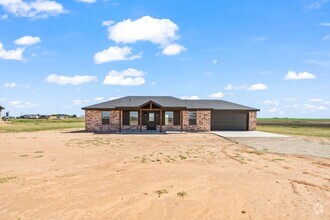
x: 151, y: 117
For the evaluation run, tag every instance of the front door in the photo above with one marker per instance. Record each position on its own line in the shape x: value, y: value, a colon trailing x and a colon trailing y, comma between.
x: 151, y: 121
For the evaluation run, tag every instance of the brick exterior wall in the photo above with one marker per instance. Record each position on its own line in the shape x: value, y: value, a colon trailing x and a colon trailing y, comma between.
x: 93, y: 121
x: 252, y: 121
x: 203, y: 121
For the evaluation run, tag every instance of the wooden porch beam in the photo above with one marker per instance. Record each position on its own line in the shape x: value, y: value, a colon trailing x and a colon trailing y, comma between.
x: 140, y: 121
x: 120, y: 120
x: 161, y: 121
x: 181, y: 120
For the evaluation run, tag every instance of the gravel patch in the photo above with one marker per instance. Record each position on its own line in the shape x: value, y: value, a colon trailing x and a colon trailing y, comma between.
x: 287, y: 145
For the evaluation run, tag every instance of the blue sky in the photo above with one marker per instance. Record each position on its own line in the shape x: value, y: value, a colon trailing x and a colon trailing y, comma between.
x: 58, y: 56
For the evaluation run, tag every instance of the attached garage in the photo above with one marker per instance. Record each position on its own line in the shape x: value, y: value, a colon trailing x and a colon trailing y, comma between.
x: 229, y: 120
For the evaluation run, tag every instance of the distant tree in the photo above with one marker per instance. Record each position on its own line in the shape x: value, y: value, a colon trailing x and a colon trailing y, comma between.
x: 74, y: 116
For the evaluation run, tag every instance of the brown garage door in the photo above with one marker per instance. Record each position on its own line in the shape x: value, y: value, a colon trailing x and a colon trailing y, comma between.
x: 229, y: 120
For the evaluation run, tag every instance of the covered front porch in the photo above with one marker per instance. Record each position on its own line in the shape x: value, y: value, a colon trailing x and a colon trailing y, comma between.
x: 151, y: 117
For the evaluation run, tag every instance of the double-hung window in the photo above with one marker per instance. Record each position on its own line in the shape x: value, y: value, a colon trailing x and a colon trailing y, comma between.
x: 169, y: 118
x: 105, y: 117
x: 192, y: 117
x: 133, y: 117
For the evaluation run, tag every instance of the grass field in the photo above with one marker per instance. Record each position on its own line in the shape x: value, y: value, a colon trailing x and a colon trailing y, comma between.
x: 28, y: 125
x: 306, y: 127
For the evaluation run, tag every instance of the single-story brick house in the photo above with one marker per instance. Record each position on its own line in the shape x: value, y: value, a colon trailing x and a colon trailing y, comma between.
x: 165, y: 113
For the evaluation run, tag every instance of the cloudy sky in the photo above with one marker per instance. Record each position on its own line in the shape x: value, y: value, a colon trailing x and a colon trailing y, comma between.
x: 57, y: 56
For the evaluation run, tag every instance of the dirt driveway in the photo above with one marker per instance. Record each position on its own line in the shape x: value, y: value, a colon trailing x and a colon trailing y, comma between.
x: 58, y: 175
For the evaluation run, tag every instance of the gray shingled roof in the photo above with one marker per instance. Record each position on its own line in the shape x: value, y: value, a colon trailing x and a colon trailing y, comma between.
x: 216, y: 105
x: 167, y: 102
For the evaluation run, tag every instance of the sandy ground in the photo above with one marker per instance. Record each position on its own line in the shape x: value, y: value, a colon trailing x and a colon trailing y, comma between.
x: 57, y: 175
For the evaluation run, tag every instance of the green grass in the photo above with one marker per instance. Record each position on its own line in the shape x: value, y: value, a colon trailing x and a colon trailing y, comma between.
x: 160, y: 192
x: 319, y: 122
x: 7, y: 179
x: 305, y: 131
x: 182, y: 194
x: 295, y: 126
x: 29, y: 125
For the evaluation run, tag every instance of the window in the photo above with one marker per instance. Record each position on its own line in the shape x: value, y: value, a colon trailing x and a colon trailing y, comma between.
x: 168, y: 118
x: 133, y: 118
x: 151, y: 117
x: 105, y: 118
x: 192, y: 118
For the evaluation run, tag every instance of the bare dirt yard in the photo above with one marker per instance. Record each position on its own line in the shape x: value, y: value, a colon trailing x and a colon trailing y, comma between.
x: 72, y: 175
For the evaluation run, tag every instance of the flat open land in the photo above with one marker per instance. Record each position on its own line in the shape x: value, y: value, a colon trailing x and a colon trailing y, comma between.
x: 296, y: 126
x: 74, y: 175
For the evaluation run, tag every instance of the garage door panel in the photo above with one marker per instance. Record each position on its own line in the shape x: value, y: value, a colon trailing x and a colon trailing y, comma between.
x: 221, y: 120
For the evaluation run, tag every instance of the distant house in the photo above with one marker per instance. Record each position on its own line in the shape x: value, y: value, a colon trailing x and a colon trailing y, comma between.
x: 1, y: 108
x: 163, y: 113
x: 30, y: 116
x: 61, y: 117
x: 44, y: 116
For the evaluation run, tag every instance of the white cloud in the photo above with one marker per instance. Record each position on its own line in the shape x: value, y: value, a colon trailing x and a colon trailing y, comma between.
x: 10, y: 85
x: 21, y: 104
x: 272, y: 110
x: 326, y: 37
x: 3, y: 99
x: 299, y: 76
x: 325, y: 24
x: 112, y: 98
x: 258, y: 39
x: 115, y: 54
x: 271, y: 102
x: 316, y: 100
x: 314, y: 107
x: 173, y: 49
x: 99, y: 99
x: 79, y: 102
x: 276, y: 110
x: 318, y: 62
x: 128, y: 77
x: 27, y: 40
x: 32, y: 9
x: 87, y: 1
x: 153, y: 83
x: 4, y: 17
x: 216, y: 95
x: 258, y: 86
x: 16, y: 54
x: 316, y: 4
x: 73, y: 80
x: 291, y: 99
x: 327, y: 102
x: 107, y: 23
x: 194, y: 97
x: 233, y: 87
x: 147, y: 28
x: 215, y: 61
